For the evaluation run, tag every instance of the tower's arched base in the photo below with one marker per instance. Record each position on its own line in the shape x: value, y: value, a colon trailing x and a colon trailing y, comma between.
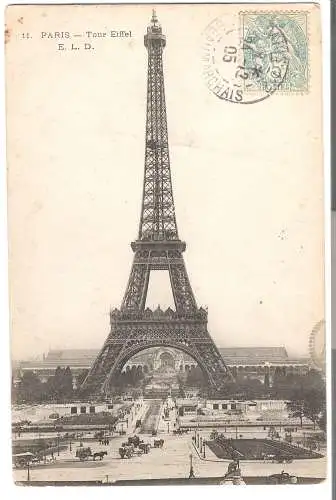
x: 130, y: 335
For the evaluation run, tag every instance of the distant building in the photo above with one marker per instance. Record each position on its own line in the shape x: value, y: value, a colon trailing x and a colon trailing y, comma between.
x: 253, y: 362
x: 261, y: 405
x: 197, y: 412
x: 256, y: 361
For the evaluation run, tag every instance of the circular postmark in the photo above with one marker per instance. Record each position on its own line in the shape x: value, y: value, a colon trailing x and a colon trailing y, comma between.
x: 317, y: 346
x: 245, y: 59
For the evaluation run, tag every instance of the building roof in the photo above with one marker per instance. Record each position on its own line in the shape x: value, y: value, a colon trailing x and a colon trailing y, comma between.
x: 258, y: 355
x: 233, y: 356
x: 270, y: 352
x: 247, y: 355
x: 71, y: 354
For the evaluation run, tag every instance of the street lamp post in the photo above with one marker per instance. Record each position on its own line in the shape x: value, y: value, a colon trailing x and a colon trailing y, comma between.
x: 203, y: 449
x: 168, y: 426
x: 58, y: 444
x: 191, y: 472
x: 28, y: 471
x: 200, y: 444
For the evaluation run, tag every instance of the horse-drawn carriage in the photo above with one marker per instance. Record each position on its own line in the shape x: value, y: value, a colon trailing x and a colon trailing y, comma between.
x: 158, y: 443
x: 22, y: 460
x: 135, y: 440
x: 180, y: 431
x: 99, y: 454
x: 144, y: 447
x: 283, y: 478
x: 126, y: 451
x: 83, y: 453
x: 133, y: 446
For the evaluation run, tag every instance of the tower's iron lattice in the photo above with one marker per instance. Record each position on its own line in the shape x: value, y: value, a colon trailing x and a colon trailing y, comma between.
x: 158, y: 247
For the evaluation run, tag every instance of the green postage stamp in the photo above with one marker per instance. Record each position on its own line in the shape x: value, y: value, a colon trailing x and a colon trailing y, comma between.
x: 288, y: 32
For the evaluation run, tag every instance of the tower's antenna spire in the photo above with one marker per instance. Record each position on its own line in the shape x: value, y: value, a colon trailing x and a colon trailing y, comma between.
x: 154, y: 16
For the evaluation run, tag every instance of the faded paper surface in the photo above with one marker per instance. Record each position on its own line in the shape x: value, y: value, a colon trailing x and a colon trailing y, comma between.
x: 247, y: 179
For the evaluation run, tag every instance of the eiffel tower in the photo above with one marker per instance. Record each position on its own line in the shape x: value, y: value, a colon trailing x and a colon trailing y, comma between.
x: 158, y: 247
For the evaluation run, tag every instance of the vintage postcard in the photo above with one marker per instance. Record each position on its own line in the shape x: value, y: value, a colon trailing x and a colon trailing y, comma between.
x: 166, y: 244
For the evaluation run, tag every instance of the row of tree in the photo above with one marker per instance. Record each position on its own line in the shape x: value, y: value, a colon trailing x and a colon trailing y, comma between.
x: 306, y: 394
x: 31, y: 389
x: 129, y: 378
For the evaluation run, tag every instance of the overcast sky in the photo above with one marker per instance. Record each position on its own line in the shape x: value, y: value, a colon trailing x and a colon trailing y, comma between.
x: 247, y: 183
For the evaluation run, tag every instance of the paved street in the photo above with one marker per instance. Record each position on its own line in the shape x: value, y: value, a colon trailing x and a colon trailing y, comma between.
x: 171, y: 461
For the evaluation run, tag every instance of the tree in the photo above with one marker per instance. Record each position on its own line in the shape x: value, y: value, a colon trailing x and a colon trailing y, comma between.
x: 52, y: 389
x: 323, y: 420
x: 249, y: 388
x: 68, y: 382
x: 314, y: 405
x: 195, y: 377
x: 296, y: 409
x: 308, y: 400
x: 29, y: 388
x: 291, y: 386
x: 82, y: 376
x: 61, y: 384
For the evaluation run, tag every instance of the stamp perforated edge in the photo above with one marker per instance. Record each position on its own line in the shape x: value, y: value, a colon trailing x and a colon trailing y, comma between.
x: 308, y: 24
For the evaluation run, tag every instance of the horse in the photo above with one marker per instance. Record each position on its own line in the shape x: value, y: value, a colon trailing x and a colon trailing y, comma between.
x: 126, y: 451
x: 144, y: 447
x: 99, y: 454
x: 158, y: 443
x: 135, y: 440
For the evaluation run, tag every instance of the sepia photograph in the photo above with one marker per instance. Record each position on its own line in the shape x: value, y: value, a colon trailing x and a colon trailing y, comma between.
x: 166, y: 244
